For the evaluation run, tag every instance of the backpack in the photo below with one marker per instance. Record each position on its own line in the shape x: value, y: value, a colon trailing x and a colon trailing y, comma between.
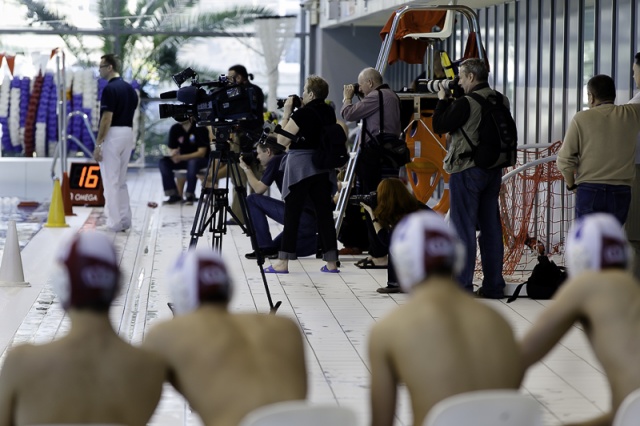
x: 497, y: 134
x: 332, y: 152
x: 545, y: 279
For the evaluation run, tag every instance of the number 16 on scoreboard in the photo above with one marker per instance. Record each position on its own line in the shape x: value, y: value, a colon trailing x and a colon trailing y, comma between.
x: 85, y: 184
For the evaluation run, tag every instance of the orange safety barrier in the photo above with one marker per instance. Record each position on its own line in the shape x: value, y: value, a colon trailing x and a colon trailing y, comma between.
x: 426, y: 167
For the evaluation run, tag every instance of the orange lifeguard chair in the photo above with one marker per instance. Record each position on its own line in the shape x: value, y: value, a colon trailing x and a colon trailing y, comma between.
x: 426, y: 171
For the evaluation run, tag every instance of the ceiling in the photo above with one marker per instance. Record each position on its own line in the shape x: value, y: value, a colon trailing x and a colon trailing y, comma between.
x: 379, y: 18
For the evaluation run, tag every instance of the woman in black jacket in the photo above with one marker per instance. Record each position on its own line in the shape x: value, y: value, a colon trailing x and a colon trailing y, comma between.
x: 394, y: 201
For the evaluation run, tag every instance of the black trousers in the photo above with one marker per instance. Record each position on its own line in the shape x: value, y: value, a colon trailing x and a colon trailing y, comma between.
x: 318, y: 189
x: 368, y: 169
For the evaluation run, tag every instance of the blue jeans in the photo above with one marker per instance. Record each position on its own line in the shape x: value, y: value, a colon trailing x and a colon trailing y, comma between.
x: 261, y: 207
x: 599, y: 197
x: 193, y: 166
x: 474, y: 202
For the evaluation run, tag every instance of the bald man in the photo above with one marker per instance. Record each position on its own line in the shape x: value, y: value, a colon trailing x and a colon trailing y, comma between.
x: 90, y: 375
x: 377, y: 103
x: 442, y: 342
x: 368, y: 168
x: 225, y: 364
x: 603, y: 296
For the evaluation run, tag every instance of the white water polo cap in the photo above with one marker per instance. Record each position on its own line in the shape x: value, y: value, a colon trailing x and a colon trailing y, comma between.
x: 198, y: 276
x: 423, y: 243
x: 597, y: 241
x: 86, y: 273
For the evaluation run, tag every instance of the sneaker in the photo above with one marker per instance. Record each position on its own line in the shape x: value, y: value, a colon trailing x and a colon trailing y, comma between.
x: 173, y: 199
x: 268, y: 253
x: 389, y: 289
x: 189, y: 200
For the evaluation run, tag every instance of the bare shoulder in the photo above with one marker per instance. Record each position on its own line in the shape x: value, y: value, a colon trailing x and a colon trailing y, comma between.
x: 594, y: 284
x: 162, y: 332
x: 17, y: 358
x: 267, y: 320
x: 26, y: 360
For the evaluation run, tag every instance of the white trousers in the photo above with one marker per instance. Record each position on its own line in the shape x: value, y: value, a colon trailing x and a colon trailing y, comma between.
x: 116, y: 152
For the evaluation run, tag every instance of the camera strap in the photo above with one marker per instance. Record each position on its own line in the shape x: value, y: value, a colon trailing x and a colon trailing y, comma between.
x: 279, y: 130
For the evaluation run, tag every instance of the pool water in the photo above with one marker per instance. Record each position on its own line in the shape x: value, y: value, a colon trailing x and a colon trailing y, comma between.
x: 29, y: 219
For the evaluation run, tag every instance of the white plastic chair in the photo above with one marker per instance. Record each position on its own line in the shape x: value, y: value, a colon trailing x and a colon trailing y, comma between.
x: 486, y: 408
x: 444, y: 33
x: 629, y: 411
x: 297, y: 413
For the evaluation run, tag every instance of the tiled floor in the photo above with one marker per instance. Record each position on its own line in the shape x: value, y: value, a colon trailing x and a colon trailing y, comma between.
x: 335, y: 312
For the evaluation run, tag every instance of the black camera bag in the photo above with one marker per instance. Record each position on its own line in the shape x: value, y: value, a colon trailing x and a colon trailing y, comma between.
x: 544, y: 281
x: 392, y: 149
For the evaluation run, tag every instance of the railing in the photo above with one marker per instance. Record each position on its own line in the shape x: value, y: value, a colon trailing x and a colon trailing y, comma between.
x: 59, y: 147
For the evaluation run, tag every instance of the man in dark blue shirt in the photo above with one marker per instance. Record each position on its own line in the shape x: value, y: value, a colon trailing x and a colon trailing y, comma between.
x: 261, y: 207
x: 189, y: 149
x: 115, y: 142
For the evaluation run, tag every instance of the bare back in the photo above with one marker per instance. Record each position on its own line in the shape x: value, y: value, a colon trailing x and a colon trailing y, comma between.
x: 81, y: 379
x: 228, y: 364
x: 443, y: 342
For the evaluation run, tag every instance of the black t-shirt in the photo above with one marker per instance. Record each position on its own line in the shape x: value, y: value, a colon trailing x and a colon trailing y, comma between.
x: 188, y: 142
x: 310, y: 119
x: 272, y: 172
x: 254, y: 125
x: 119, y: 98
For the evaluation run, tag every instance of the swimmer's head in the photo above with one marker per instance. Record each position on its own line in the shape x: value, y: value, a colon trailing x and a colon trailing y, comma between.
x: 423, y: 245
x: 199, y: 276
x: 86, y: 272
x: 595, y: 242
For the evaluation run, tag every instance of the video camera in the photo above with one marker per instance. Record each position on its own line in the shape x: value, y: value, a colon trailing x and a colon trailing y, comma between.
x: 433, y: 86
x: 224, y: 104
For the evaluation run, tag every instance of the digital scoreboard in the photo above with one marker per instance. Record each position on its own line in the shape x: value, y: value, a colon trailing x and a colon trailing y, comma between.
x: 85, y: 185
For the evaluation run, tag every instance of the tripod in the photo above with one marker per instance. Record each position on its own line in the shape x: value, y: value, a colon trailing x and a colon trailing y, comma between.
x: 213, y: 204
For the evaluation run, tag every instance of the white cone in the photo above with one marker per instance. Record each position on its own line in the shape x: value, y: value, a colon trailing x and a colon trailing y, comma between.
x: 11, y: 273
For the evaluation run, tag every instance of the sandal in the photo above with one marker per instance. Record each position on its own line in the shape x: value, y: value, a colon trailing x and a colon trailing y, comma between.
x: 331, y: 271
x: 270, y: 270
x: 368, y: 264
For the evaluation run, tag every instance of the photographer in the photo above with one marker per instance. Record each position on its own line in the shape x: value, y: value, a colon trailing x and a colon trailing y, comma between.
x: 302, y: 179
x: 248, y: 131
x: 188, y: 150
x: 393, y: 202
x: 368, y: 168
x: 260, y: 207
x: 370, y: 161
x: 474, y: 190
